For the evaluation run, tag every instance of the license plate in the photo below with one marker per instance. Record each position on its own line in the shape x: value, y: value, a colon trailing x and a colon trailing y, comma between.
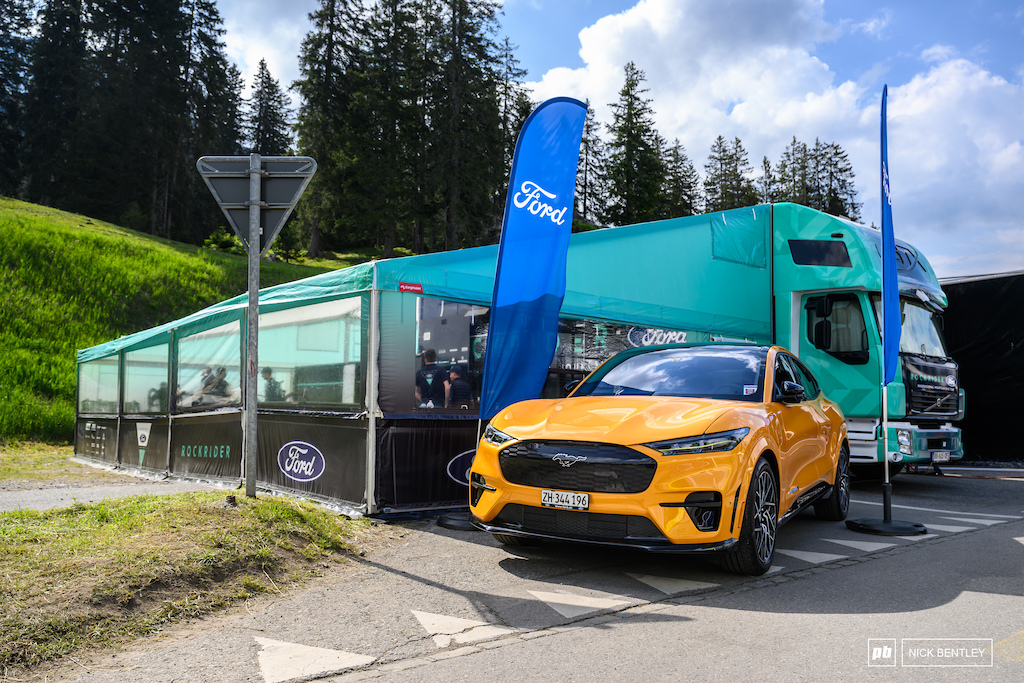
x: 567, y: 500
x: 940, y: 456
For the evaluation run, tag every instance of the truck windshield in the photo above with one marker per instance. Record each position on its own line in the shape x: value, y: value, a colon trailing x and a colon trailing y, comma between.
x: 920, y: 333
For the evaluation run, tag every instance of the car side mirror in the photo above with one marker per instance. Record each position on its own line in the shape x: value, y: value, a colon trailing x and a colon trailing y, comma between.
x: 571, y: 385
x: 791, y: 392
x: 823, y: 334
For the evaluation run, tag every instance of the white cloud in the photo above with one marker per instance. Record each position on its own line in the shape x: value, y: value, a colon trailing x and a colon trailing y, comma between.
x: 272, y: 32
x: 747, y: 69
x: 875, y: 26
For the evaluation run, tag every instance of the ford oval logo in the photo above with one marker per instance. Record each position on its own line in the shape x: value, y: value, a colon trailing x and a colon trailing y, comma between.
x: 458, y: 467
x: 301, y: 461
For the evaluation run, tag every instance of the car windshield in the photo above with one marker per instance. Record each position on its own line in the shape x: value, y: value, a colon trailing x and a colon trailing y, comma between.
x: 721, y: 372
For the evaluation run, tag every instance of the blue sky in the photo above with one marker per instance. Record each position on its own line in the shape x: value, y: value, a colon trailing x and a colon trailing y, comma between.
x: 768, y: 70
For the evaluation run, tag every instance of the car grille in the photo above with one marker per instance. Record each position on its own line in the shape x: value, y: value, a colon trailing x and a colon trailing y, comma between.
x: 582, y: 525
x: 577, y: 466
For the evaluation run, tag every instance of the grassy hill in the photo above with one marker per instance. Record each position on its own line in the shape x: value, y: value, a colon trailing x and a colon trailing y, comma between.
x: 68, y: 282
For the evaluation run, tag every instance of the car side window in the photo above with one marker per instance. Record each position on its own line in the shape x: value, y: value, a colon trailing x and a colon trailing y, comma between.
x: 805, y: 379
x: 783, y: 371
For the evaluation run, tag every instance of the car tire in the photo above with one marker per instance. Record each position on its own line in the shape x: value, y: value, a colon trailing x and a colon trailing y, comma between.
x: 515, y: 541
x: 755, y: 551
x: 837, y: 505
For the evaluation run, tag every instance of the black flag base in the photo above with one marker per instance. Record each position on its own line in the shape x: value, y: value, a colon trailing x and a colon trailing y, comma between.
x: 458, y: 521
x: 887, y: 526
x: 880, y: 527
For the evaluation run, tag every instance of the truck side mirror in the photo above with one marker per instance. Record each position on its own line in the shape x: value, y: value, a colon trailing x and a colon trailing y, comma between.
x: 823, y: 307
x: 823, y: 335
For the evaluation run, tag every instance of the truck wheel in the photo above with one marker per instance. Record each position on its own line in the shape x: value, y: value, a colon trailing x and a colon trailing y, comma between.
x: 835, y: 507
x: 873, y: 472
x: 755, y: 551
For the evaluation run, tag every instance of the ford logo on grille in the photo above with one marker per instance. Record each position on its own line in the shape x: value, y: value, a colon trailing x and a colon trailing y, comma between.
x: 301, y: 461
x: 566, y: 460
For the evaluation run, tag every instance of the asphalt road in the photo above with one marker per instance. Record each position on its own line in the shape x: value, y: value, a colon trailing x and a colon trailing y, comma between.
x: 447, y: 605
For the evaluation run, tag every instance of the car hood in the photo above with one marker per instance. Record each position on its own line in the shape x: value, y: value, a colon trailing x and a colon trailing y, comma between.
x: 623, y: 420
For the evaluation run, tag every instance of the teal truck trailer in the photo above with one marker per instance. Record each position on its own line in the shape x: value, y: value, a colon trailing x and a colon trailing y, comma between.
x: 825, y: 275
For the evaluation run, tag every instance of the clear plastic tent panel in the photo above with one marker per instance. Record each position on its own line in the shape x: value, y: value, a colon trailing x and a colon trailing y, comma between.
x: 209, y: 368
x: 312, y: 355
x: 740, y: 236
x: 145, y: 380
x: 97, y: 386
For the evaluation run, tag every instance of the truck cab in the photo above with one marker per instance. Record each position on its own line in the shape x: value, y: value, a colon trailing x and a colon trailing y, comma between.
x: 827, y: 298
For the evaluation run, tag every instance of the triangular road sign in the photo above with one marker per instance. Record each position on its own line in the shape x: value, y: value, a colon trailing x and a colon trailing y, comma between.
x: 282, y: 182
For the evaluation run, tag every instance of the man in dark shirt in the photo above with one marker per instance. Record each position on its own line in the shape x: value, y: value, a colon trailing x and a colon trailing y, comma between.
x: 457, y: 390
x: 430, y: 381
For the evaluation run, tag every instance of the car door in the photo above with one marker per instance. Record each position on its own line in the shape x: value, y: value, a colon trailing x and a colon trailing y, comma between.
x: 802, y: 431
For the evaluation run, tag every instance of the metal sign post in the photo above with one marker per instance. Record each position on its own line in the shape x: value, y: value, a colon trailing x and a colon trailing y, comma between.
x: 251, y: 190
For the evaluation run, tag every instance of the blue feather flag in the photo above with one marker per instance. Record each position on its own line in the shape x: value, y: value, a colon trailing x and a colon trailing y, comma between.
x: 529, y: 280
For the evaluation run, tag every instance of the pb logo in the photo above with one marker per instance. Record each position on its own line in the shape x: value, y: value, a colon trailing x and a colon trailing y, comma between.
x: 882, y: 652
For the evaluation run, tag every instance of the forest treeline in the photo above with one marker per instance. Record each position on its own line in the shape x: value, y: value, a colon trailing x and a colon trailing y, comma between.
x: 410, y: 107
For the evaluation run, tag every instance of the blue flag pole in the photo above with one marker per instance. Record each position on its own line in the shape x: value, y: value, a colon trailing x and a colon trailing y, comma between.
x: 891, y: 331
x: 529, y: 278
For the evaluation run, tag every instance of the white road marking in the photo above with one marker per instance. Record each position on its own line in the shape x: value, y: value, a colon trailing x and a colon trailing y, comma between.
x: 775, y: 568
x: 281, y: 661
x: 813, y: 558
x: 447, y: 630
x: 975, y: 520
x: 571, y: 606
x: 866, y: 546
x: 950, y: 528
x: 1020, y: 540
x: 919, y: 537
x: 669, y: 586
x: 948, y: 512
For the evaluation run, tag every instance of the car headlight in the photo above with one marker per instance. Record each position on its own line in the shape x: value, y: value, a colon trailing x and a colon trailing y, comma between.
x: 496, y: 437
x: 705, y: 443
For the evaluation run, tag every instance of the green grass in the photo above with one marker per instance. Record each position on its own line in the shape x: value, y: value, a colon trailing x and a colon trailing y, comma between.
x: 99, y: 574
x: 68, y: 282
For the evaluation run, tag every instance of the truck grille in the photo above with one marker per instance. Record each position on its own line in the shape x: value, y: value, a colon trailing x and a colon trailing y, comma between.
x: 577, y: 466
x: 583, y: 525
x: 923, y: 402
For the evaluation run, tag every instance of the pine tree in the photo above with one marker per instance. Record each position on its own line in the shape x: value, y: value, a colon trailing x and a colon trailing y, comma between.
x: 767, y: 189
x: 467, y: 124
x: 727, y: 184
x: 590, y: 200
x: 511, y: 96
x: 390, y: 132
x: 14, y: 25
x: 59, y: 79
x: 329, y: 66
x: 266, y: 121
x: 793, y: 177
x: 635, y: 170
x: 838, y: 194
x: 819, y: 177
x: 681, y: 192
